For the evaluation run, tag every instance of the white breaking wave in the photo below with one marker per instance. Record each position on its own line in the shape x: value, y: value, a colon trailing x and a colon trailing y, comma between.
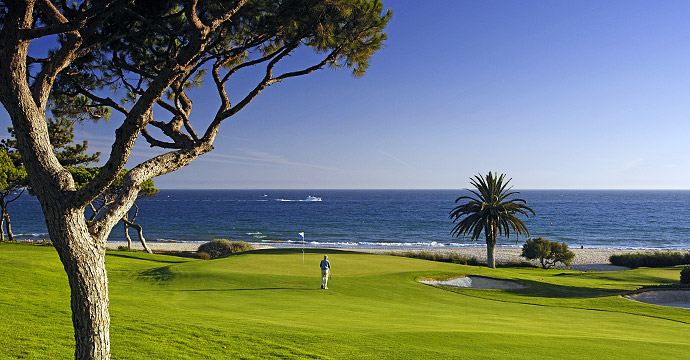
x: 257, y: 235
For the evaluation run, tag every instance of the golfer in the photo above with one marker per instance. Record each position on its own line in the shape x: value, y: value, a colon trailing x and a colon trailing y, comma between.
x: 325, y: 269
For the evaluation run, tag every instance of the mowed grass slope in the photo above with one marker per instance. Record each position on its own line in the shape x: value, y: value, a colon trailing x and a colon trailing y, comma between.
x: 267, y: 304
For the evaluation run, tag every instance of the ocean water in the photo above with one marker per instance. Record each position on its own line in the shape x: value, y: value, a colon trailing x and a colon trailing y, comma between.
x: 392, y: 218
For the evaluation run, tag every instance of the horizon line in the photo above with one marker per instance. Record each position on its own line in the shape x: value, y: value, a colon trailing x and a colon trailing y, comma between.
x: 429, y: 189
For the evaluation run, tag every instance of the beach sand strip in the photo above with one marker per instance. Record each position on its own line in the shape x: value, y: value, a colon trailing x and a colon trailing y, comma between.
x: 585, y: 259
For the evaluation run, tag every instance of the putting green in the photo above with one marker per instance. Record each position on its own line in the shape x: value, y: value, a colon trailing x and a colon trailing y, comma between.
x: 268, y: 304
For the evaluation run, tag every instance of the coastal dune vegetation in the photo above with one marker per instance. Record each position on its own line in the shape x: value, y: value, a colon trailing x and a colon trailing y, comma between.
x: 654, y: 259
x: 267, y: 304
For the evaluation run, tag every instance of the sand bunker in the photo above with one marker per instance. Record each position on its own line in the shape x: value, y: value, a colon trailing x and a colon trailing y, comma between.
x: 477, y: 282
x: 675, y: 298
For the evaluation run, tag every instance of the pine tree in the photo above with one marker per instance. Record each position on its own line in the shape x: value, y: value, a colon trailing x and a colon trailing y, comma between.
x: 151, y: 53
x: 61, y: 133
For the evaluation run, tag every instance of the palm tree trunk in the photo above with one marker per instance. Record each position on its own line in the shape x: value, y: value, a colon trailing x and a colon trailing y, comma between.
x: 490, y: 232
x: 491, y: 255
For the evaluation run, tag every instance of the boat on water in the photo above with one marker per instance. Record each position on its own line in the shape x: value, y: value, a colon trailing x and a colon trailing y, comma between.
x: 308, y: 199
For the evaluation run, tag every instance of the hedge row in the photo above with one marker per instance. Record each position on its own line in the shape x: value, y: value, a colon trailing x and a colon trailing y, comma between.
x: 439, y: 256
x: 655, y: 259
x: 455, y: 258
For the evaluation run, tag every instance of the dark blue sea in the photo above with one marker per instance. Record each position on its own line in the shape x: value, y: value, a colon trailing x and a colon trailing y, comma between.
x: 392, y: 218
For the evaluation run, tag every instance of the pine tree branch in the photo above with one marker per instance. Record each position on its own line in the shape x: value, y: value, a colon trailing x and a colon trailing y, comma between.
x: 263, y: 83
x: 156, y: 166
x: 103, y: 101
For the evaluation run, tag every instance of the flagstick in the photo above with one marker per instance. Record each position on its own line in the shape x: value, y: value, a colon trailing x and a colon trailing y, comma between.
x: 302, y: 236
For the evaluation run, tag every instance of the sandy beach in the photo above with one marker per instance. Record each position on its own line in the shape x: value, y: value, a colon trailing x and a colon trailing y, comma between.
x: 585, y: 259
x: 167, y: 246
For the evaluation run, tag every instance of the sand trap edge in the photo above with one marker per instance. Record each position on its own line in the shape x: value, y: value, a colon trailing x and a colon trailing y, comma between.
x: 679, y: 298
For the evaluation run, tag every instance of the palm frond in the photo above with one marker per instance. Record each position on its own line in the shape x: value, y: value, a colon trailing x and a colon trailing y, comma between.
x: 489, y: 207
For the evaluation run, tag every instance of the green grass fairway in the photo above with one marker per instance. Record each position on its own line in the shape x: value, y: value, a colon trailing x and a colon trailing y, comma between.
x: 267, y: 304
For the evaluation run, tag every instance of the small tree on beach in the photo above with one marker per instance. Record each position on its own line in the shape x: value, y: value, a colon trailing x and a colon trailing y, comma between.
x: 490, y: 211
x: 547, y: 252
x: 685, y: 275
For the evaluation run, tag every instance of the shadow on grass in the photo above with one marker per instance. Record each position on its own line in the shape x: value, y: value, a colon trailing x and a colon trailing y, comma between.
x: 615, y: 276
x: 138, y: 256
x: 254, y: 289
x: 544, y: 290
x: 536, y: 289
x: 159, y: 275
x: 284, y: 251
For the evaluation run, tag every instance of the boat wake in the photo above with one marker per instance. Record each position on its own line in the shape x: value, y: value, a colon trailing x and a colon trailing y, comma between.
x: 308, y: 199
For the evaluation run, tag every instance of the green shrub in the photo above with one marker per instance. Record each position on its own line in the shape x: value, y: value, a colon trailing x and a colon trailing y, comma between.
x: 547, y: 252
x: 125, y: 248
x: 203, y: 255
x: 455, y: 258
x: 221, y: 247
x: 685, y: 275
x: 655, y: 259
x: 41, y: 242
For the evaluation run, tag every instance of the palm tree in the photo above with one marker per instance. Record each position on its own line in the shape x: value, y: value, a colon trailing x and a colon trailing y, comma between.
x: 490, y: 211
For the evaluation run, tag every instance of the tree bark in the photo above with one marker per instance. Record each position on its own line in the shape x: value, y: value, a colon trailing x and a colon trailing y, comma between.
x: 140, y: 231
x: 8, y: 224
x: 25, y: 93
x: 491, y: 235
x: 3, y: 210
x: 2, y: 231
x: 83, y: 259
x: 491, y: 255
x: 129, y: 239
x: 5, y: 222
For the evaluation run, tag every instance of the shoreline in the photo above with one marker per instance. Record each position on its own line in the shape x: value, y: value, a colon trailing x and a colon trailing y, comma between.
x: 587, y: 259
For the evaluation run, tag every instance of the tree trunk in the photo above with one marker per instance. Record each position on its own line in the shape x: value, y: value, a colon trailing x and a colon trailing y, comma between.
x: 3, y: 210
x: 5, y: 217
x: 140, y: 230
x: 490, y: 233
x: 141, y: 238
x: 491, y: 255
x: 129, y: 239
x: 8, y: 224
x: 2, y: 231
x: 84, y: 261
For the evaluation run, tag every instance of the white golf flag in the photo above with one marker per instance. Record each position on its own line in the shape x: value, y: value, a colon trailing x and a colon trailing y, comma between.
x: 301, y: 235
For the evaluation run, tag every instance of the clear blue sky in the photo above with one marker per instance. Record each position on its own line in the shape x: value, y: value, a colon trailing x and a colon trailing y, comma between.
x: 557, y: 94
